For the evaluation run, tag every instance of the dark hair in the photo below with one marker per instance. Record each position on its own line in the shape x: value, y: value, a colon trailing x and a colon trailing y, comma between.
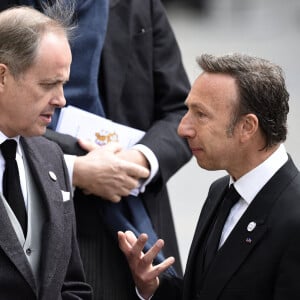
x: 22, y: 27
x: 262, y: 91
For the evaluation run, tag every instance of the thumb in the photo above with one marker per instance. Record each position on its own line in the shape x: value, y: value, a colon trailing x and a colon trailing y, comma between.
x: 113, y: 147
x: 88, y: 146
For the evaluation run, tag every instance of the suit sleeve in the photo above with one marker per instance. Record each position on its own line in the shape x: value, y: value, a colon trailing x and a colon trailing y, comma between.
x: 171, y: 87
x: 67, y: 143
x: 287, y: 283
x: 169, y: 288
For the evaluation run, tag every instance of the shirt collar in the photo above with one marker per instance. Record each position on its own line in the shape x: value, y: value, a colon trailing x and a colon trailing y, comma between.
x: 252, y: 182
x: 3, y: 138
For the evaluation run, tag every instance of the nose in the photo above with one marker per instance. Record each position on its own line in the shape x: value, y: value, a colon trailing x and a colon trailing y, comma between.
x: 62, y: 101
x: 59, y: 99
x: 185, y: 128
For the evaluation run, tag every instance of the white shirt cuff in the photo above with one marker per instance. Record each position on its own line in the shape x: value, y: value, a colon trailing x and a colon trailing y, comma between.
x: 138, y: 294
x: 153, y: 162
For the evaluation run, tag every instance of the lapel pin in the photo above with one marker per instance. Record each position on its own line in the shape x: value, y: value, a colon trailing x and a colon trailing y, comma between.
x: 248, y: 240
x: 52, y: 176
x: 251, y: 226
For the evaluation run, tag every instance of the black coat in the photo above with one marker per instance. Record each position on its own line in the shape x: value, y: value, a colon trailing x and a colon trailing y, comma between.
x: 262, y: 264
x: 143, y: 85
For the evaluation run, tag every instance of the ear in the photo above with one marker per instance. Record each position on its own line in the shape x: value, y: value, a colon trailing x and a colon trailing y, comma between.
x: 248, y: 127
x: 3, y: 75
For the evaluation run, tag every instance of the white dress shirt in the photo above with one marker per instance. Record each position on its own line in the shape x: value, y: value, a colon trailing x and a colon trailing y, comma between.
x: 21, y: 168
x: 249, y: 185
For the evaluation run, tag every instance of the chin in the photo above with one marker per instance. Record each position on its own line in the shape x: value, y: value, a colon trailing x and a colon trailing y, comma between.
x: 37, y: 132
x: 205, y: 166
x: 201, y: 164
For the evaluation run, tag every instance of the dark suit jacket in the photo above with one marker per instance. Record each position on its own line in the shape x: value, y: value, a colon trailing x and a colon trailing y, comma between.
x: 262, y: 264
x: 61, y: 272
x: 143, y: 84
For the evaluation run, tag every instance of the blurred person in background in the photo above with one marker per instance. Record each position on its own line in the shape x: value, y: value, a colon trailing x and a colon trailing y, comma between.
x: 200, y: 5
x: 127, y: 67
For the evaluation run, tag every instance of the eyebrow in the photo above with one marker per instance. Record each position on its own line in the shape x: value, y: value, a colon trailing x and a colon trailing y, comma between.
x: 193, y: 105
x: 54, y: 81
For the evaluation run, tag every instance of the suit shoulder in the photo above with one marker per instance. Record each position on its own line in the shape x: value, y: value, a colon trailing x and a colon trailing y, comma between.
x: 41, y: 143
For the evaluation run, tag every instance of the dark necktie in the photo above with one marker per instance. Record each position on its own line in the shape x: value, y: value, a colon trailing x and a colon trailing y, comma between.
x: 11, y: 183
x: 231, y: 197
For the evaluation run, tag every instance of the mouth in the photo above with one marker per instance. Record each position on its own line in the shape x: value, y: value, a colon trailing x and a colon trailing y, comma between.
x: 196, y: 150
x: 46, y: 118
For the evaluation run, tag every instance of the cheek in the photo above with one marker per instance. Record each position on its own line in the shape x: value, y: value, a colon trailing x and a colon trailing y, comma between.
x: 28, y: 118
x: 216, y: 143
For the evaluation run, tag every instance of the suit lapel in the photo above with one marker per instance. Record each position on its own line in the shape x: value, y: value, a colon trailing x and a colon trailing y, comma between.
x: 51, y: 196
x: 206, y: 218
x: 235, y: 250
x: 241, y: 242
x: 12, y: 247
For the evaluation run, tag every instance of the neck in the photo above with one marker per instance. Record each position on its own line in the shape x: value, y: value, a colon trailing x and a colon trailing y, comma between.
x: 250, y: 161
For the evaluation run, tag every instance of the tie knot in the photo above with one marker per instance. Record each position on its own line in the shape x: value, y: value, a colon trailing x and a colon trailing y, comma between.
x: 8, y: 149
x: 232, y: 195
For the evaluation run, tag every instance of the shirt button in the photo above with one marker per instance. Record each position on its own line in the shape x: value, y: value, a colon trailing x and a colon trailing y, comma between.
x: 28, y: 251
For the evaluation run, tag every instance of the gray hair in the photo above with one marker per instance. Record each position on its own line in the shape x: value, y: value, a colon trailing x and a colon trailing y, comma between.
x: 22, y: 27
x: 262, y: 91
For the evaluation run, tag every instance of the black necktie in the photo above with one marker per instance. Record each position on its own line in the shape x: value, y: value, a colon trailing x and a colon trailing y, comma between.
x: 11, y: 183
x: 231, y: 197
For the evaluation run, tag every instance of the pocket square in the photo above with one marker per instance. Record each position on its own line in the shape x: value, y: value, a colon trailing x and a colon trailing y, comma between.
x: 66, y: 196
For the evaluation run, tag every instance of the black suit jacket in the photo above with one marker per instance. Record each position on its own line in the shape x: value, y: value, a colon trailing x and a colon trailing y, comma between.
x: 262, y: 264
x: 61, y: 272
x: 143, y: 85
